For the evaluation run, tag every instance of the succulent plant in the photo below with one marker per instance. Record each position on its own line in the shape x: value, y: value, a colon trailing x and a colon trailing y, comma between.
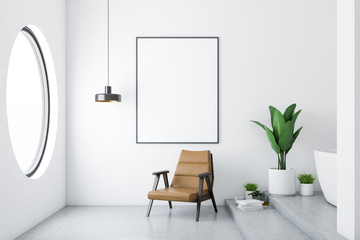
x: 306, y: 178
x: 251, y: 186
x: 258, y: 195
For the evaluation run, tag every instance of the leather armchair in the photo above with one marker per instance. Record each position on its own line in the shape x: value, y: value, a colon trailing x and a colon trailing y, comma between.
x: 188, y: 182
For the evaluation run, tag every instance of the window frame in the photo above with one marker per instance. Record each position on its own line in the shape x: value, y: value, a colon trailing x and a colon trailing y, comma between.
x: 42, y: 67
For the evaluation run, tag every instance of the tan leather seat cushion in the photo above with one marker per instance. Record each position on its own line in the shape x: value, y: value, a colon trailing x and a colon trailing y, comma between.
x: 191, y: 163
x: 176, y: 194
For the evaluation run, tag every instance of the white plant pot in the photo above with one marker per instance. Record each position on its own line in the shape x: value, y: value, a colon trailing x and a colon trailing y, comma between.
x: 306, y: 189
x: 282, y: 182
x: 247, y: 196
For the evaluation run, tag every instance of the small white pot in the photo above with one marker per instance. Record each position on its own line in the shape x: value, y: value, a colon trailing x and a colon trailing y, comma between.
x: 282, y: 182
x: 306, y: 189
x: 247, y: 196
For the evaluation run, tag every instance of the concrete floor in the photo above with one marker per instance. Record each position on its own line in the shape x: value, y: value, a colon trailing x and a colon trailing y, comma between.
x: 129, y: 222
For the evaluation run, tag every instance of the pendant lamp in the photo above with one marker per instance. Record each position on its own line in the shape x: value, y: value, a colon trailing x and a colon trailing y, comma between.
x: 108, y: 96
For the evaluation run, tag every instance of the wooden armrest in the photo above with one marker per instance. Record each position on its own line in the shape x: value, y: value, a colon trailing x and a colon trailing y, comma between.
x: 160, y: 172
x: 201, y: 175
x: 207, y: 180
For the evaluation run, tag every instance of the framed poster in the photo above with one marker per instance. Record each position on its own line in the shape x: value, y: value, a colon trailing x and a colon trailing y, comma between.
x: 177, y: 90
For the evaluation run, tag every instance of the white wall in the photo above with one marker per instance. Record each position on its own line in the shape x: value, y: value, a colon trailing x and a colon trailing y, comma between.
x: 25, y: 202
x: 271, y: 52
x: 348, y: 92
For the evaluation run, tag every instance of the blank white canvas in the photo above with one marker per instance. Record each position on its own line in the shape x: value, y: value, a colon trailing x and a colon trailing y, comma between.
x: 177, y: 90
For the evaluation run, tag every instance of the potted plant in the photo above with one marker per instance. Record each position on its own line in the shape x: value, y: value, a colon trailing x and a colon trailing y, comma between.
x: 282, y: 138
x: 260, y: 196
x: 250, y: 187
x: 306, y: 184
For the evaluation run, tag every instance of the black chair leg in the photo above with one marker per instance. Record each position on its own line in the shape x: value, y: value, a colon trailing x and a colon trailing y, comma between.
x: 211, y: 192
x: 166, y: 182
x: 149, y: 207
x: 200, y: 190
x: 213, y: 202
x: 198, y: 211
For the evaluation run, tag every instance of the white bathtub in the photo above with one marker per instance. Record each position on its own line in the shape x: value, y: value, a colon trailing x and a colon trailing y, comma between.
x: 326, y: 167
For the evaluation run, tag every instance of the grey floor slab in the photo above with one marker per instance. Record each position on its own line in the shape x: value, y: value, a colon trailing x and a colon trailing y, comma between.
x: 264, y: 224
x: 313, y: 215
x: 129, y: 222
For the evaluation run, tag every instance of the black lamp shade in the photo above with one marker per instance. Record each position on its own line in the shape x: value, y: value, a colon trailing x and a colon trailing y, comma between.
x: 107, y: 96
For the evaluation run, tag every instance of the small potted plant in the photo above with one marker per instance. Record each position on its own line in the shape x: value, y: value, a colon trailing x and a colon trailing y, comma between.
x: 306, y: 184
x: 250, y: 187
x: 258, y: 195
x: 282, y: 136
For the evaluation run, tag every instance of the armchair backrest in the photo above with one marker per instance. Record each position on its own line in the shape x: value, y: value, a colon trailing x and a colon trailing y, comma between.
x: 192, y: 163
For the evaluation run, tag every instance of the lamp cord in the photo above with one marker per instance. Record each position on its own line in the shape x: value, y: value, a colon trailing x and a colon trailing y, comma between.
x: 108, y: 42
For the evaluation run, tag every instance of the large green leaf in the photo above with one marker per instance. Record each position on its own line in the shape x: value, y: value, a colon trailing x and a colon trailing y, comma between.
x: 272, y: 141
x: 286, y: 137
x: 296, y: 134
x: 278, y: 124
x: 293, y: 120
x: 289, y: 112
x: 296, y: 115
x: 258, y: 123
x: 272, y: 111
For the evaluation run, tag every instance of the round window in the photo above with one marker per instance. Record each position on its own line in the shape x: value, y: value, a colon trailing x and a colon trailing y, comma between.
x: 28, y: 101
